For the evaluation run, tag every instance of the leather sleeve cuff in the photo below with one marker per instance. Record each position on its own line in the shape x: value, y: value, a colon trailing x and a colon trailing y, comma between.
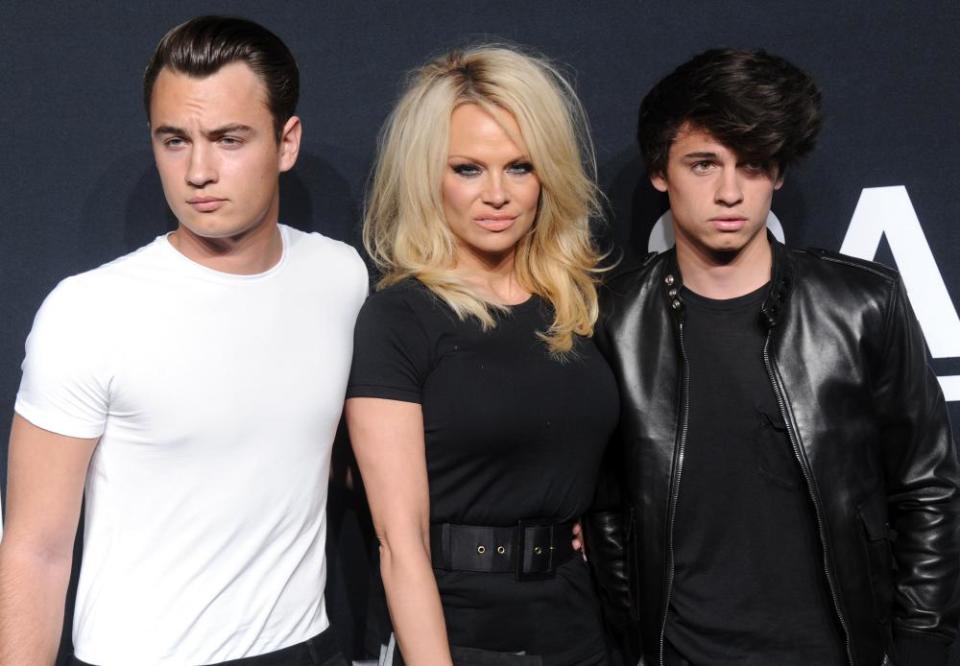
x: 605, y: 538
x: 915, y: 650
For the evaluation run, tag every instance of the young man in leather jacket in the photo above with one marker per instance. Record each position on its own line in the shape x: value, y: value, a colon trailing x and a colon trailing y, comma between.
x: 784, y: 456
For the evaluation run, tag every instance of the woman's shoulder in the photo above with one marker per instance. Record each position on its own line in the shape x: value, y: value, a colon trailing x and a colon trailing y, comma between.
x: 409, y: 292
x: 405, y: 300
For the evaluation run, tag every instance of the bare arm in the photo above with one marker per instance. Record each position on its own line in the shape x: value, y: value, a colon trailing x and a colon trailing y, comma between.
x: 45, y: 476
x: 387, y: 438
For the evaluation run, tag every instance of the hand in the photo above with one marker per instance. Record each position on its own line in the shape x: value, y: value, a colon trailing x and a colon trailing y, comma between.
x: 579, y: 543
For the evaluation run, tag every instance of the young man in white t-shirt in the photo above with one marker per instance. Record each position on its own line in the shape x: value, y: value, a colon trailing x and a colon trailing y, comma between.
x: 192, y: 389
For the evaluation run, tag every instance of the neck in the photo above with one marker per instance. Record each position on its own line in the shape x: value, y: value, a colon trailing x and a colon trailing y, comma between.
x: 254, y: 251
x: 495, y: 276
x: 725, y: 275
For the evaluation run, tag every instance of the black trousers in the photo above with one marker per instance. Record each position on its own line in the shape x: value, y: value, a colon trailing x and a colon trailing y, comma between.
x: 321, y: 650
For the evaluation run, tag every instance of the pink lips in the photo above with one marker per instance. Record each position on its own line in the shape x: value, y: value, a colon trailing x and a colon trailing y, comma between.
x: 205, y: 204
x: 728, y: 223
x: 496, y: 222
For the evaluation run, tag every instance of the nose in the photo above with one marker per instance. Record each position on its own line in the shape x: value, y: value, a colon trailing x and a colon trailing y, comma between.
x: 729, y: 192
x: 202, y: 168
x: 494, y: 194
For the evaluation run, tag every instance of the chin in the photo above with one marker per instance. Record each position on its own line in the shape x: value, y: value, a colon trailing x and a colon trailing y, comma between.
x: 493, y: 245
x: 724, y: 247
x: 219, y: 224
x: 213, y: 232
x: 731, y: 246
x: 499, y: 251
x: 731, y: 241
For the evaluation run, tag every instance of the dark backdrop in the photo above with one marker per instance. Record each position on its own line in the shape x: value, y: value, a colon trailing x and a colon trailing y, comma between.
x: 78, y: 186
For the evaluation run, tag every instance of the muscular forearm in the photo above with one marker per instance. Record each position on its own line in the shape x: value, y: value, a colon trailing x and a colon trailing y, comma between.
x: 32, y: 594
x: 414, y: 603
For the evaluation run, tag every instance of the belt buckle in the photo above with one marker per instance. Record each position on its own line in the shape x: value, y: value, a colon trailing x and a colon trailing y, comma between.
x: 521, y: 552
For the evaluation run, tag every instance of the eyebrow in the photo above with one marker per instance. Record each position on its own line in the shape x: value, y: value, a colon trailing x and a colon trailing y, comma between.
x: 700, y: 155
x: 516, y: 160
x: 234, y: 128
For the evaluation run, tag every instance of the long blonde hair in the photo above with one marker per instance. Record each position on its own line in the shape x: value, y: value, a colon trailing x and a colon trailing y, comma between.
x: 404, y: 228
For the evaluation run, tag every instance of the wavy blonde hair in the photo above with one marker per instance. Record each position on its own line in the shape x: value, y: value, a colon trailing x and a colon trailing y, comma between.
x: 404, y: 227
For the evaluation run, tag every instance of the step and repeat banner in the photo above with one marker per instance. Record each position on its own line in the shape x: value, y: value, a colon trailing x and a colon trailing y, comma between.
x: 78, y: 186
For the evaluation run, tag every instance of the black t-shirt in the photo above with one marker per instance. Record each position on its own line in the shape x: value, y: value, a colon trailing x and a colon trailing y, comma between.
x: 749, y: 586
x: 510, y: 434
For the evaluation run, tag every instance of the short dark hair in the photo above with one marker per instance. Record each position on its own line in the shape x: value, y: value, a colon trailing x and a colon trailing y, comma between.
x: 202, y: 45
x: 759, y: 105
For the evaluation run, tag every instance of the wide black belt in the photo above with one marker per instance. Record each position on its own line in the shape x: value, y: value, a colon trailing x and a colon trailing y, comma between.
x: 527, y: 549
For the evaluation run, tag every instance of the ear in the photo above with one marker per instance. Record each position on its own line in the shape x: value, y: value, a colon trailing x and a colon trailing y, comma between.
x: 778, y: 177
x: 659, y: 181
x: 290, y: 143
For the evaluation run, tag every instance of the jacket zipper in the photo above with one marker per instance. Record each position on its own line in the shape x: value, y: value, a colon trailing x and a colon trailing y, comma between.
x: 681, y: 445
x: 781, y: 403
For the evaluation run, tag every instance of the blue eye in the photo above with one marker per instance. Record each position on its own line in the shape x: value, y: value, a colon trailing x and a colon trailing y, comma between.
x: 466, y: 169
x: 520, y: 168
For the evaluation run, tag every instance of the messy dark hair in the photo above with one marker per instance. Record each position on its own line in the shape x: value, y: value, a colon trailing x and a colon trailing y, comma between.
x: 202, y: 45
x: 762, y: 107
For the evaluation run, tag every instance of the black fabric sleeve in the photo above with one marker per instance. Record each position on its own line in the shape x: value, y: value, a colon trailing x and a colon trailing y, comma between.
x: 391, y: 349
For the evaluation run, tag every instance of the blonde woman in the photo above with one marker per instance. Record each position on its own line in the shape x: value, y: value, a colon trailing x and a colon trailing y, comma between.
x: 478, y: 405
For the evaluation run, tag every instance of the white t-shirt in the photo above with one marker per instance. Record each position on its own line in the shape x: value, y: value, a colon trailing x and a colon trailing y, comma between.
x: 216, y: 398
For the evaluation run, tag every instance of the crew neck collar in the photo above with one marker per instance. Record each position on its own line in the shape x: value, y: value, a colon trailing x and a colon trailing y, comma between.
x: 223, y: 276
x: 753, y: 298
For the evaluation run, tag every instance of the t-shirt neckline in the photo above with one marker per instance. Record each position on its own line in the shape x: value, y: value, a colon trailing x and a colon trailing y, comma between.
x: 747, y: 300
x: 524, y: 304
x: 222, y: 276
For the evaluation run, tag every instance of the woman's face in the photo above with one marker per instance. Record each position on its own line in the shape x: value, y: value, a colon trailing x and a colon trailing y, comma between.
x: 490, y: 192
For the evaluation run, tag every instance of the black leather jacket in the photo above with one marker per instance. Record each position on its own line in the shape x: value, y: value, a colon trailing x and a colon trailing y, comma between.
x: 868, y: 424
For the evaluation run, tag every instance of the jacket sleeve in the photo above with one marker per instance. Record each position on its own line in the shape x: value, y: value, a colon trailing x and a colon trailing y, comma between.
x: 606, y: 532
x: 922, y: 476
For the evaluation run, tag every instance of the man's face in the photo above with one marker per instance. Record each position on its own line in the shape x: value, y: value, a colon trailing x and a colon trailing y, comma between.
x: 719, y: 203
x: 216, y: 151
